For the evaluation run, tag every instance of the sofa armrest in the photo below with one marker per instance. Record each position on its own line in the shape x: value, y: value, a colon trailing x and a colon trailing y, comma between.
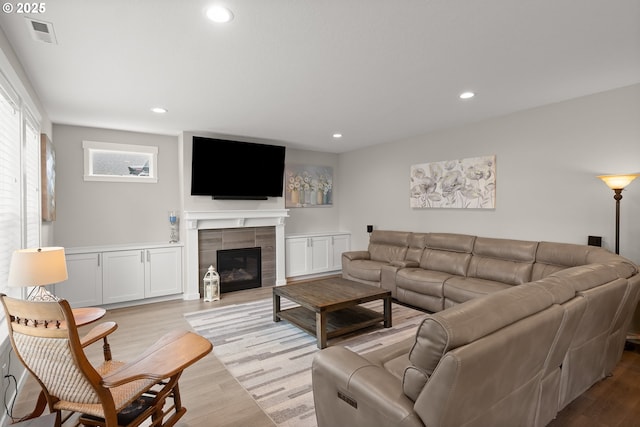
x: 354, y: 255
x: 348, y: 390
x: 388, y: 277
x: 405, y: 264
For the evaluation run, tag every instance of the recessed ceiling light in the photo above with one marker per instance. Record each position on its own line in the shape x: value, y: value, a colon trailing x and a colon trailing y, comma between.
x: 467, y: 95
x: 337, y: 135
x: 219, y: 14
x: 159, y: 110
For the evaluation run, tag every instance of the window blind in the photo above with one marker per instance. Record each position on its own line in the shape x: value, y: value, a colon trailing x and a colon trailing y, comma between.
x: 10, y: 167
x: 32, y: 182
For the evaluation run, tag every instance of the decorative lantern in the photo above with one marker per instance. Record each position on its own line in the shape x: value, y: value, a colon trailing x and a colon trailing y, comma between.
x: 211, y: 285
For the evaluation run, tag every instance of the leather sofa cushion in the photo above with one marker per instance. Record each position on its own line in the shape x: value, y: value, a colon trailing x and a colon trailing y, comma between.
x: 388, y: 246
x: 427, y: 282
x: 461, y: 289
x: 366, y: 269
x: 586, y: 277
x: 417, y: 242
x: 446, y: 261
x: 440, y: 332
x: 502, y: 260
x: 552, y: 257
x: 450, y: 242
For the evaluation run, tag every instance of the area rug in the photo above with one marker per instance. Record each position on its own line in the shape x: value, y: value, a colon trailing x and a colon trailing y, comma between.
x: 272, y: 360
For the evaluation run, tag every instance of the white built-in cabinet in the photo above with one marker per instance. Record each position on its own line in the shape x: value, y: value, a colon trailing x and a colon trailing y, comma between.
x: 315, y: 254
x: 120, y: 275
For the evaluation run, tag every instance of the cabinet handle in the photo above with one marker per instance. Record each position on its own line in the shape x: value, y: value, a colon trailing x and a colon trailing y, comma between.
x: 148, y: 256
x: 141, y: 256
x: 98, y: 260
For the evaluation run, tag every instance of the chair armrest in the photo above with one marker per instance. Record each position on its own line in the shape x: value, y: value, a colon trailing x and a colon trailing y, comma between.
x: 98, y: 332
x: 353, y: 255
x: 371, y: 393
x: 169, y: 356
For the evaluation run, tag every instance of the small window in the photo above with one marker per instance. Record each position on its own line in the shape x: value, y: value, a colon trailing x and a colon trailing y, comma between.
x: 106, y: 161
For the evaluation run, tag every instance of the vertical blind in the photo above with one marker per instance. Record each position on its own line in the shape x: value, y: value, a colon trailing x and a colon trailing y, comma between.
x: 10, y: 202
x: 32, y: 183
x: 19, y: 178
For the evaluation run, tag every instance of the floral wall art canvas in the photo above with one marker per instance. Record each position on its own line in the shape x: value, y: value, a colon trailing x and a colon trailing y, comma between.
x: 465, y: 183
x: 308, y: 186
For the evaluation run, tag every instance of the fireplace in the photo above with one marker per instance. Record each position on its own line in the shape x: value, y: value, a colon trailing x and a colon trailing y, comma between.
x: 197, y: 261
x: 239, y: 269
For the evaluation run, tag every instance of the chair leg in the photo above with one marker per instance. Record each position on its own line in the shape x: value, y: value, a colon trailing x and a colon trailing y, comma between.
x: 106, y: 349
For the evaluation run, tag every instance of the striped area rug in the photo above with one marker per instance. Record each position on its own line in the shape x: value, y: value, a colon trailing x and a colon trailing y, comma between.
x: 272, y: 361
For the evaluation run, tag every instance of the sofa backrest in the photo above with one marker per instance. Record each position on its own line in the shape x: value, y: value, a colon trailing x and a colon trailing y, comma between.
x: 448, y: 253
x: 387, y: 246
x: 417, y: 242
x: 486, y: 355
x: 502, y: 260
x: 552, y: 257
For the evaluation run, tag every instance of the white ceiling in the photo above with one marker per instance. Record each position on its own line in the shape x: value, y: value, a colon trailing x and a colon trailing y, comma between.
x: 297, y: 71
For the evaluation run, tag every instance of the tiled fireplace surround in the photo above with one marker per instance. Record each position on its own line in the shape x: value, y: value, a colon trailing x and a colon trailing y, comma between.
x: 232, y: 229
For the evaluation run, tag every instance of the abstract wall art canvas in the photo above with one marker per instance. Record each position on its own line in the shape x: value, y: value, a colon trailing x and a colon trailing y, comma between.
x: 48, y: 177
x: 465, y: 183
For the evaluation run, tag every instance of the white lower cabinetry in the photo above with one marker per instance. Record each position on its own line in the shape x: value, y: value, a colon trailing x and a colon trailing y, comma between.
x: 315, y: 254
x: 98, y: 277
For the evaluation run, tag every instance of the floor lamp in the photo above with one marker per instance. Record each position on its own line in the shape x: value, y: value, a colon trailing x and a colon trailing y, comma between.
x: 38, y: 268
x: 618, y: 183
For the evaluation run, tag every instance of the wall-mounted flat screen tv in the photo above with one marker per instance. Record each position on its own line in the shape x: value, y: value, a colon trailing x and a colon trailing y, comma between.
x: 226, y: 169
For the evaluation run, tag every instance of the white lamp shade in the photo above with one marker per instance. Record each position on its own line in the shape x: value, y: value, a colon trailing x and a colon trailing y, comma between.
x: 618, y: 182
x: 37, y: 267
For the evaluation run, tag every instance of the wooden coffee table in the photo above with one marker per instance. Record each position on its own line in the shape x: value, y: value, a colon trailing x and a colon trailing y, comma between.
x: 331, y: 307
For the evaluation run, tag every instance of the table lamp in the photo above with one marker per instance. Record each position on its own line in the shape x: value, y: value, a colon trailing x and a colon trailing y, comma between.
x: 38, y: 267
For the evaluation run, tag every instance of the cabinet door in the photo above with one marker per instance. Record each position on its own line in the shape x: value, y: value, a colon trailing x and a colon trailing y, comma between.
x: 320, y: 253
x: 341, y: 243
x: 164, y: 272
x: 123, y: 276
x: 296, y: 259
x: 83, y: 288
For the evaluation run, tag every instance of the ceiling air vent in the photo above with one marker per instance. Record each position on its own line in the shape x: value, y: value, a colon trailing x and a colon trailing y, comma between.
x: 42, y: 31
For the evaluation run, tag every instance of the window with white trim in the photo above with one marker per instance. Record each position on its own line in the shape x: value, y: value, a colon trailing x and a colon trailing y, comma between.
x: 10, y: 178
x: 107, y: 161
x: 20, y: 215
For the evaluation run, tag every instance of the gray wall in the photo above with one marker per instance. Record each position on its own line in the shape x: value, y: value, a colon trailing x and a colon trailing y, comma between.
x: 547, y: 161
x: 112, y: 213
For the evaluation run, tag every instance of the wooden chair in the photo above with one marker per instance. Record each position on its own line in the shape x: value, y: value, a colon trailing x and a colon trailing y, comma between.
x: 45, y: 338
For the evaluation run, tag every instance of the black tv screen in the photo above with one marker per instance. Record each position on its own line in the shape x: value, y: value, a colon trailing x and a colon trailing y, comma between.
x: 226, y: 169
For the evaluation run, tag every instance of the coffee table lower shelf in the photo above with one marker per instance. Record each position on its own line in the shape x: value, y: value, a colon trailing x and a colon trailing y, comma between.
x: 339, y: 322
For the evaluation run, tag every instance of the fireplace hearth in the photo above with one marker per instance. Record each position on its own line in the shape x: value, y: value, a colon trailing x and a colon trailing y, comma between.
x: 239, y: 269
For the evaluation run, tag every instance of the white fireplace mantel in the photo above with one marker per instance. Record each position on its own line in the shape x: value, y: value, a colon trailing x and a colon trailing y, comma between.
x: 209, y: 220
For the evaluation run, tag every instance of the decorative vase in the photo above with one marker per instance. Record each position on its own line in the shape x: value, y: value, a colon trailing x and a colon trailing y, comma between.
x: 319, y: 197
x: 295, y: 196
x: 307, y: 197
x: 313, y: 197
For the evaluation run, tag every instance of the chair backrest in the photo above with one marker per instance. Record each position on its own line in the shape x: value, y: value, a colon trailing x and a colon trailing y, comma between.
x: 45, y: 338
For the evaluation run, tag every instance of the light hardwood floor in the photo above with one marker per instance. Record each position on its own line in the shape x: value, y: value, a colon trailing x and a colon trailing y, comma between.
x: 213, y: 398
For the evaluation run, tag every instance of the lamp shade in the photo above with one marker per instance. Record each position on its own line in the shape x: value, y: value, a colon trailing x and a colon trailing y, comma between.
x: 37, y: 267
x: 618, y: 182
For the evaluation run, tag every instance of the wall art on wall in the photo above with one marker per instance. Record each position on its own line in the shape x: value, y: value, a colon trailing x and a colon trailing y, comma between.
x: 308, y: 186
x: 48, y: 178
x: 464, y: 183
